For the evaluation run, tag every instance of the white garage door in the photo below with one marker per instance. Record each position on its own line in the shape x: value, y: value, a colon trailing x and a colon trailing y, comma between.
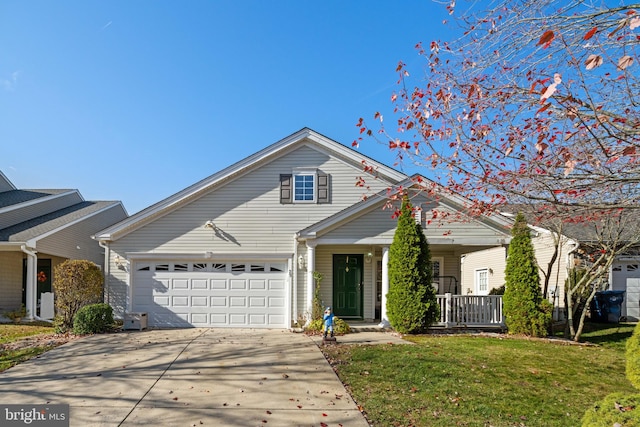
x: 626, y: 277
x: 215, y: 294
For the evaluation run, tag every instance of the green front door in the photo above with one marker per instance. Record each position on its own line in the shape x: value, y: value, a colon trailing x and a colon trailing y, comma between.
x: 347, y: 286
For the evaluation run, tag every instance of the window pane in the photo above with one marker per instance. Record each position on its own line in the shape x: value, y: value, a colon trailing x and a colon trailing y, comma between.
x: 482, y: 280
x: 304, y: 187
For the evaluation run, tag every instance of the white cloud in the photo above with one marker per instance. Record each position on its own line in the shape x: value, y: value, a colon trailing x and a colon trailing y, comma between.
x: 11, y: 82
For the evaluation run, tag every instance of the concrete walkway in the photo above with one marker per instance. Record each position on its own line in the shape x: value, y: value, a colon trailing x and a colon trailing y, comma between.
x: 187, y: 377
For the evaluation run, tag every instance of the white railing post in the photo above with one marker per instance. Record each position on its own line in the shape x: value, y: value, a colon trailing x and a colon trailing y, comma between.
x: 448, y: 310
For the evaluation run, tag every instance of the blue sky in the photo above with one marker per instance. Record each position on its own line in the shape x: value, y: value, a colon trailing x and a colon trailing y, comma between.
x: 136, y: 100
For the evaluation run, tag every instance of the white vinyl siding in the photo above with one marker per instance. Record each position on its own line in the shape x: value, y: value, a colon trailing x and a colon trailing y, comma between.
x: 247, y: 213
x: 11, y: 280
x: 378, y: 223
x: 75, y: 242
x: 543, y: 245
x: 493, y: 258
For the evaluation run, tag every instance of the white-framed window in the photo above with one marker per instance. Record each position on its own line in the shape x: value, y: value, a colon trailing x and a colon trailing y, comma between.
x: 304, y: 187
x: 482, y: 281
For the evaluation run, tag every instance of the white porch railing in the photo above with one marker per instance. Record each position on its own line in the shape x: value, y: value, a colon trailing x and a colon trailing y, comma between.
x: 470, y: 311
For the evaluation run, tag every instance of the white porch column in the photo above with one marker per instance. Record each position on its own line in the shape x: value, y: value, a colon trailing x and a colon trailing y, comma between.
x: 32, y: 286
x: 384, y: 320
x: 311, y: 266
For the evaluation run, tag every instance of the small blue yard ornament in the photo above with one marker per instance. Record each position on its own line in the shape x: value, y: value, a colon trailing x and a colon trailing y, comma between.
x: 328, y: 322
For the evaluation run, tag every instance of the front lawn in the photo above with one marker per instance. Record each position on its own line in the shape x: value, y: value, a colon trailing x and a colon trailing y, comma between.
x: 20, y: 342
x: 465, y: 380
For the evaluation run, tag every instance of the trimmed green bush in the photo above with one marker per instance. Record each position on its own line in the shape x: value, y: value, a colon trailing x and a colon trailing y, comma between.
x: 76, y: 283
x: 497, y: 291
x: 411, y: 302
x: 617, y: 409
x: 93, y: 319
x: 633, y: 358
x: 620, y: 409
x: 523, y: 307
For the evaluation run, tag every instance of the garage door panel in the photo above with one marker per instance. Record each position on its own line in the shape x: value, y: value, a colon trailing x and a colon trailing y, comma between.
x: 218, y: 319
x: 180, y: 283
x: 276, y: 319
x: 257, y: 284
x: 257, y: 302
x: 199, y: 284
x: 276, y: 302
x: 219, y: 284
x: 219, y: 302
x: 258, y: 319
x: 276, y: 285
x: 199, y: 301
x: 199, y: 319
x: 238, y: 302
x: 238, y: 319
x: 162, y: 301
x: 238, y: 284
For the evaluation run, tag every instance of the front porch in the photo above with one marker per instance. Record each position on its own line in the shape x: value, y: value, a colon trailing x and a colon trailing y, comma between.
x: 456, y: 312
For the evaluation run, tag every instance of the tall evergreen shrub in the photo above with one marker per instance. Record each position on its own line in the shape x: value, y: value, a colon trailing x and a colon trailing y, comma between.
x: 411, y: 302
x: 526, y: 312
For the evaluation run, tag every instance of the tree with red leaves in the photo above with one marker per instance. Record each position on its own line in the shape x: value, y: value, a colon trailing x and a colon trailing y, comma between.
x: 534, y: 103
x: 537, y: 103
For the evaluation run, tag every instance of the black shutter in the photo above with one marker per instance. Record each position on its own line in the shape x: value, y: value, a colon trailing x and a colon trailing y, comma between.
x: 286, y: 188
x: 323, y: 188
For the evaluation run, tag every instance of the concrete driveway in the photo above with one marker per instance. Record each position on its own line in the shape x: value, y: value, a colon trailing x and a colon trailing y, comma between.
x: 186, y: 377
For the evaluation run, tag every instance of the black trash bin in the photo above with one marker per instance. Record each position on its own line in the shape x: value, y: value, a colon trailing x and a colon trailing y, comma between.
x: 607, y: 306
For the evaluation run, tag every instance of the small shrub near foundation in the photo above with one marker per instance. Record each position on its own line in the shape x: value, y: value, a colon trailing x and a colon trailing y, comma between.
x: 93, y: 319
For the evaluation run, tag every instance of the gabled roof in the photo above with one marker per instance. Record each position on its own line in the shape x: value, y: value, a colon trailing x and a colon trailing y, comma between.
x: 304, y: 136
x: 624, y: 227
x: 5, y: 184
x: 16, y: 197
x: 42, y: 226
x: 498, y: 222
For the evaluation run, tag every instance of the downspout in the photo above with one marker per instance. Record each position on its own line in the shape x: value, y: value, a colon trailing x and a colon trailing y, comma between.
x: 294, y: 273
x: 107, y: 271
x: 32, y: 267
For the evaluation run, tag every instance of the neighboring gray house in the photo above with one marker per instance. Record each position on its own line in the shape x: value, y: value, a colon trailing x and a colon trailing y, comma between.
x: 240, y: 248
x: 39, y: 229
x: 484, y: 270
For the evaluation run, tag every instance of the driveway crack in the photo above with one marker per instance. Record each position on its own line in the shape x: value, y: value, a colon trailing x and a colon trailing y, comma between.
x: 161, y: 375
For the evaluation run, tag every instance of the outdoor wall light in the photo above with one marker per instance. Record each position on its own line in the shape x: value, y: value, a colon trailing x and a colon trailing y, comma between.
x: 301, y: 261
x: 367, y: 258
x: 211, y: 225
x: 120, y: 262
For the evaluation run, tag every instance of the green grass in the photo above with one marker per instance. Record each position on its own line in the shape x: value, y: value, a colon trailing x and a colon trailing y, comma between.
x: 463, y: 380
x: 11, y: 332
